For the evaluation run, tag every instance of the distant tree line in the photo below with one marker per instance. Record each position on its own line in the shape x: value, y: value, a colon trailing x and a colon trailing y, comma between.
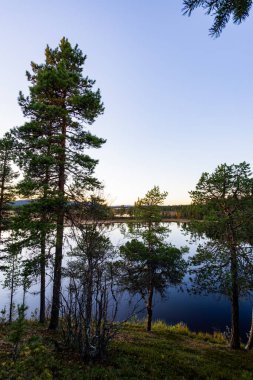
x: 188, y: 212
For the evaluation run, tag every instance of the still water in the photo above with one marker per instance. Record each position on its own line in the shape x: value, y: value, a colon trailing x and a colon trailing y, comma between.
x: 200, y: 313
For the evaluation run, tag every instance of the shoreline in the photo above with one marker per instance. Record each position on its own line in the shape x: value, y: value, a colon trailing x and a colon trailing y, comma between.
x: 127, y: 220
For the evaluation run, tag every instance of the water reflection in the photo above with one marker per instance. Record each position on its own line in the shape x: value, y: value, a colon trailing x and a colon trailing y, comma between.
x: 200, y: 313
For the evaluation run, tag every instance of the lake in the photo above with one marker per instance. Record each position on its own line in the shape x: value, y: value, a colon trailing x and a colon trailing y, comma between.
x: 200, y: 313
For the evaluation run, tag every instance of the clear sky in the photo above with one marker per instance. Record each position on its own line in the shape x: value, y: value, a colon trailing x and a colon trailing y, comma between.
x: 177, y: 102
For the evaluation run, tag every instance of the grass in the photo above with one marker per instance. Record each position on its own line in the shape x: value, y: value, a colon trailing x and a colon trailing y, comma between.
x: 168, y: 352
x: 183, y: 329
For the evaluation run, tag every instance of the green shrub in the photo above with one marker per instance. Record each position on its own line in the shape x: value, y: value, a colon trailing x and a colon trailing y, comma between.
x: 35, y: 361
x: 17, y: 331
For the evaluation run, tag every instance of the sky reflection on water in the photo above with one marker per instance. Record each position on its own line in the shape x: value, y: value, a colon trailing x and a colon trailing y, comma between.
x: 200, y: 313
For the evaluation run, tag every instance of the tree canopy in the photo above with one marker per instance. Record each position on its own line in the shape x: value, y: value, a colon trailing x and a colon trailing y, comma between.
x: 149, y: 262
x: 224, y: 264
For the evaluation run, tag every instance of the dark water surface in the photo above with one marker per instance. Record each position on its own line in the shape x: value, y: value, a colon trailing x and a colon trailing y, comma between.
x: 200, y: 313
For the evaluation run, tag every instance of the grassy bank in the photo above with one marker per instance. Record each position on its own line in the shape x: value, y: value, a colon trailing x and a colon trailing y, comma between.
x: 169, y: 352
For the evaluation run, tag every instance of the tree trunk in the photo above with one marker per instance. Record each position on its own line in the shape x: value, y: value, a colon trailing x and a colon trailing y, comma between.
x: 59, y: 233
x: 24, y: 294
x: 249, y: 344
x: 54, y: 321
x: 12, y: 290
x: 89, y: 284
x: 149, y: 309
x: 150, y: 300
x: 88, y: 316
x: 150, y: 285
x: 235, y: 333
x: 44, y: 220
x: 43, y: 278
x: 3, y: 179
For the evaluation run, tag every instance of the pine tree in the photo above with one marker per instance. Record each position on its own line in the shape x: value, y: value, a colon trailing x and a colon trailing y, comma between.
x: 7, y: 177
x: 149, y: 262
x: 60, y: 106
x: 226, y: 195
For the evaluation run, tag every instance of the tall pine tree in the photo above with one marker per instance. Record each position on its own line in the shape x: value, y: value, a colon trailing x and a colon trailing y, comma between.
x: 60, y: 106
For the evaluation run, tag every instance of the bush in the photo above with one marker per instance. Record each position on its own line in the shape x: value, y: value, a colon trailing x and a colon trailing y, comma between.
x: 35, y: 361
x: 17, y: 331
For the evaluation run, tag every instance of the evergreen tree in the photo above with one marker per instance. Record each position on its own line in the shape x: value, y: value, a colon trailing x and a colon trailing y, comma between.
x: 60, y: 106
x: 11, y: 269
x: 149, y: 263
x: 7, y: 177
x: 226, y: 195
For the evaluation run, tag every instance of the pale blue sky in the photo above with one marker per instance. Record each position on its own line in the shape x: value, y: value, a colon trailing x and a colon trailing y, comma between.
x: 177, y: 102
